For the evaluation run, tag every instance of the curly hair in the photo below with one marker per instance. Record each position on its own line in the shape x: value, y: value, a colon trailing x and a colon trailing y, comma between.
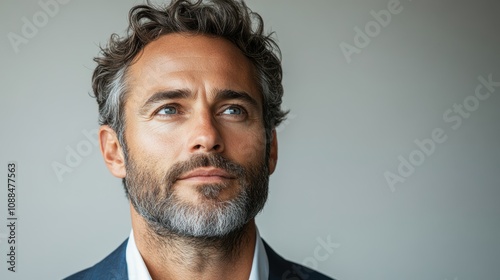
x: 228, y: 19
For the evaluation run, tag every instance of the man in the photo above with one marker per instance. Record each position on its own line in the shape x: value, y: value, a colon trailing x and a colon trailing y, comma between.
x: 188, y: 103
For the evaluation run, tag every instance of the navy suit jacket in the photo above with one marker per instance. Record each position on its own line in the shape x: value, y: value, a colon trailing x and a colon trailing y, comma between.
x: 114, y: 267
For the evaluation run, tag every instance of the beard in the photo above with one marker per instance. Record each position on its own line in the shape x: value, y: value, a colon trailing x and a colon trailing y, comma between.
x: 154, y: 198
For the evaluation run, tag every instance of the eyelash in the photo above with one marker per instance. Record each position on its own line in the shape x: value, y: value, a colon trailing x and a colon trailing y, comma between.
x: 243, y: 111
x: 176, y: 106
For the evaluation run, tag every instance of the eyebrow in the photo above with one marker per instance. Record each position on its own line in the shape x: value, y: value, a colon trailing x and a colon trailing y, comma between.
x: 162, y: 96
x: 227, y: 94
x: 220, y: 95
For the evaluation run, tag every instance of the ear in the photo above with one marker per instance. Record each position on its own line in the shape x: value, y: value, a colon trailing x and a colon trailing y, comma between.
x: 273, y: 153
x: 112, y: 151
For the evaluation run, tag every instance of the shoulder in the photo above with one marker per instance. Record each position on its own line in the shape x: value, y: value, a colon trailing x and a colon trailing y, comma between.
x: 114, y: 266
x: 282, y: 269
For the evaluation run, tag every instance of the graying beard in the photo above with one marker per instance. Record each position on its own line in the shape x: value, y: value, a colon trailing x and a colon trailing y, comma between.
x: 210, y: 219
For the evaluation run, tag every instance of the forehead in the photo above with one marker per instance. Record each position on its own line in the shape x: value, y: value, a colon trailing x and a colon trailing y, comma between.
x: 191, y: 62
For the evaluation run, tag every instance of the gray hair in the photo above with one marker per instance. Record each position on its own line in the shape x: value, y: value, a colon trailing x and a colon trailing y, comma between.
x: 229, y: 19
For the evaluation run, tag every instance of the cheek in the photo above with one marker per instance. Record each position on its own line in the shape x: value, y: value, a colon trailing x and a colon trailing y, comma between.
x: 154, y: 148
x: 250, y: 147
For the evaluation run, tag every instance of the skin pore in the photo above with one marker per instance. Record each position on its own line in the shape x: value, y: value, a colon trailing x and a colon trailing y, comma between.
x: 192, y: 95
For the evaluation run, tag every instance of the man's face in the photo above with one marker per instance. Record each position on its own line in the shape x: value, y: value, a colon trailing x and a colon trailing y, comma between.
x: 195, y: 137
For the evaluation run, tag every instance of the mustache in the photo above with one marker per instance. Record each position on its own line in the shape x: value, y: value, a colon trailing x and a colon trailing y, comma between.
x: 203, y: 160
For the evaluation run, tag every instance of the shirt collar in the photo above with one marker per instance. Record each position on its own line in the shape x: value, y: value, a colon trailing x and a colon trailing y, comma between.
x: 137, y: 269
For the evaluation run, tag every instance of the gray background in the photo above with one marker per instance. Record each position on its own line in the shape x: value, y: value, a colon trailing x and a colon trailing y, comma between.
x: 349, y: 124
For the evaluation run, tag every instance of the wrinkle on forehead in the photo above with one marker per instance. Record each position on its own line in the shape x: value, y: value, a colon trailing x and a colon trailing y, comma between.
x: 183, y: 58
x: 172, y: 50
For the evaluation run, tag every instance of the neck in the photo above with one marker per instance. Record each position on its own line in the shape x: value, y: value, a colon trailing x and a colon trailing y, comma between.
x: 171, y: 256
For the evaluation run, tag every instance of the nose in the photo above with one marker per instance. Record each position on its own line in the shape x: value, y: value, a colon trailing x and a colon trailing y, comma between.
x: 205, y: 136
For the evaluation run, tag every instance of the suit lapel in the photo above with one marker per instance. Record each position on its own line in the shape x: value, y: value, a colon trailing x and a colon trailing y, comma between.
x: 114, y: 266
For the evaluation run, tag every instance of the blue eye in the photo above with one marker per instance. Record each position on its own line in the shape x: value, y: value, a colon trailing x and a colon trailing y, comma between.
x: 233, y: 111
x: 169, y: 110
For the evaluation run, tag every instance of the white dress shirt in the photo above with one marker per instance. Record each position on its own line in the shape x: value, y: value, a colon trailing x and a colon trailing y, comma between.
x: 137, y: 269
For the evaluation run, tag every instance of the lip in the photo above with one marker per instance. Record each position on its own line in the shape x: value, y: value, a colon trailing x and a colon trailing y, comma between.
x: 206, y: 174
